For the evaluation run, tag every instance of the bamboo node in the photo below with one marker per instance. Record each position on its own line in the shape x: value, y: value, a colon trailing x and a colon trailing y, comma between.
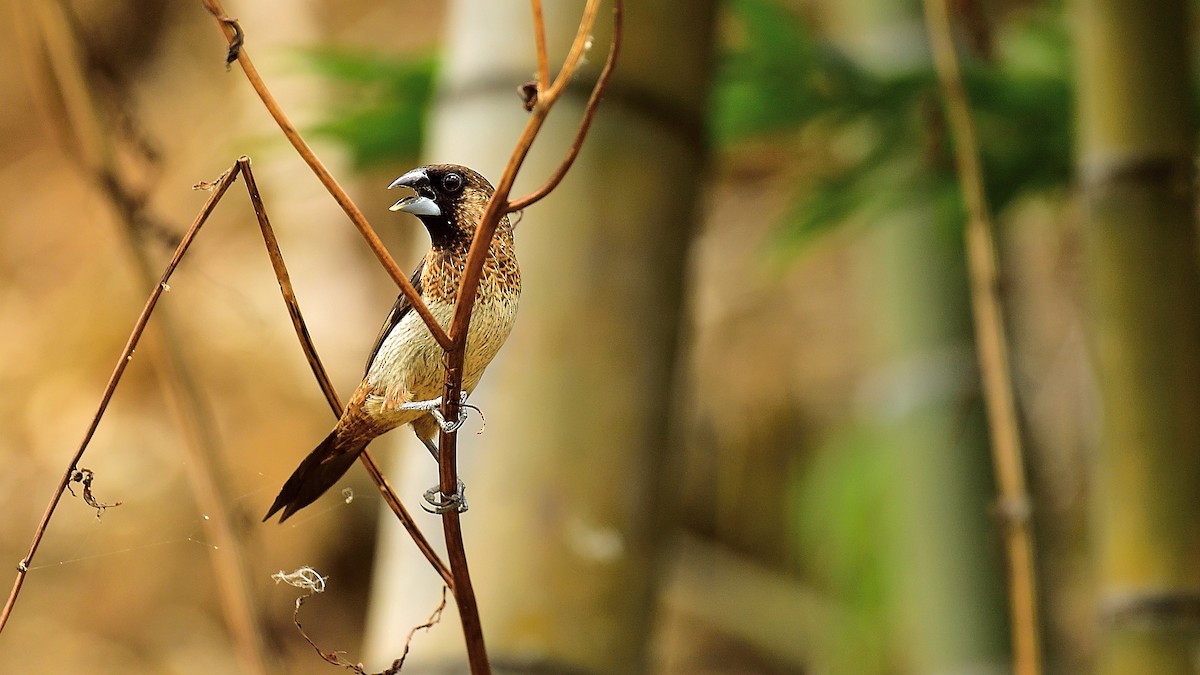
x: 1012, y: 510
x: 1151, y: 608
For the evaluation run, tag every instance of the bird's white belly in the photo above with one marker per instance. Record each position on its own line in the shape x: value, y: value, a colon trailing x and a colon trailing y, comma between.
x: 408, y: 366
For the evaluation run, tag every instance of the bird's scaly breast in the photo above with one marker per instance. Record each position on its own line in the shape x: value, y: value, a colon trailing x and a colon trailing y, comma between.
x: 408, y: 366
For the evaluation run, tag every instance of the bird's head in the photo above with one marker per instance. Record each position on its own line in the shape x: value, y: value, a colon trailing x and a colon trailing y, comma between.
x: 449, y: 200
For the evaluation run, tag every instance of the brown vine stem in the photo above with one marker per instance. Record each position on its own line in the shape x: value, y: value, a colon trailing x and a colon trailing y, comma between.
x: 498, y: 207
x: 234, y: 36
x: 122, y: 362
x: 318, y: 369
x: 579, y: 47
x: 990, y: 333
x: 539, y: 37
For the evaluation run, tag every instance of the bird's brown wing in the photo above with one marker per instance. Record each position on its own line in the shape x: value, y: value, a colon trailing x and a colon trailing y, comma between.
x: 402, y: 307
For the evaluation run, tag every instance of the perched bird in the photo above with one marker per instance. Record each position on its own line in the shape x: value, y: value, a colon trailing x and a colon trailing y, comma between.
x: 405, y: 372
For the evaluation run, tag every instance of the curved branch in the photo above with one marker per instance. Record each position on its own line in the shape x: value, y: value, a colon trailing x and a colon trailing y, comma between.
x: 234, y: 36
x: 539, y: 38
x: 583, y: 39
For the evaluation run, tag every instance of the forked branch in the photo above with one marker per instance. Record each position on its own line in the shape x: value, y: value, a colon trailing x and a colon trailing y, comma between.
x: 585, y: 124
x: 497, y: 208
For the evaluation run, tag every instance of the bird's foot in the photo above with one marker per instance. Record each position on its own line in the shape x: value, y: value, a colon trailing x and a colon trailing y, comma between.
x: 434, y: 407
x: 437, y: 502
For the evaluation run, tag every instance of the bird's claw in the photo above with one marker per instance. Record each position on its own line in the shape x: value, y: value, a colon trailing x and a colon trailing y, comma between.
x: 446, y: 425
x: 434, y: 408
x: 437, y: 502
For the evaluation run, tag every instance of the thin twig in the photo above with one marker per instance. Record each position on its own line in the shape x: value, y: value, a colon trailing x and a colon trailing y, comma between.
x: 311, y: 582
x: 285, y: 284
x: 234, y: 35
x: 579, y: 47
x: 318, y: 369
x: 126, y: 356
x: 434, y: 619
x: 539, y: 38
x: 990, y: 335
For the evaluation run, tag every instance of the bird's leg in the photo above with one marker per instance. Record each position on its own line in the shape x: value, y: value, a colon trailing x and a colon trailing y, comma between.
x: 438, y: 503
x: 431, y: 447
x: 434, y: 407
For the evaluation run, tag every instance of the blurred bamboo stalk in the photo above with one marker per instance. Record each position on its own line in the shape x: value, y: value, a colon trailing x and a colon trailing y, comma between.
x: 991, y: 347
x: 1135, y: 158
x: 97, y: 154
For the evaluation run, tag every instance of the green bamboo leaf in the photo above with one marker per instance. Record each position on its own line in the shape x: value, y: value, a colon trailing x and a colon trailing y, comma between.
x: 381, y: 113
x: 778, y: 78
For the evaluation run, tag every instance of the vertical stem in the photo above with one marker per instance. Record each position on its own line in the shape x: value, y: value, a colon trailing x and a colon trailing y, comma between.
x: 498, y: 206
x: 206, y: 475
x: 456, y: 554
x: 991, y: 343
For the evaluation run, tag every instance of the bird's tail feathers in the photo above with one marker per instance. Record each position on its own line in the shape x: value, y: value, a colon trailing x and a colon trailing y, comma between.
x: 328, y: 462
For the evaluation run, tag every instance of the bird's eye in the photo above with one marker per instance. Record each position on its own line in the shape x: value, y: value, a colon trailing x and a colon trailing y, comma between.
x: 452, y: 182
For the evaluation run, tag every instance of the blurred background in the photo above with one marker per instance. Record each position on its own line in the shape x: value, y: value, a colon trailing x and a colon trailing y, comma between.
x: 738, y: 427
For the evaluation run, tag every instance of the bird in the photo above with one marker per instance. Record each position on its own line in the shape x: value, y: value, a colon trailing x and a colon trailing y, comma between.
x: 405, y: 371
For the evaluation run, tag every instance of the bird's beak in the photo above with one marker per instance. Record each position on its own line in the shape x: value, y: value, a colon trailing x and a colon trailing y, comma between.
x: 418, y: 204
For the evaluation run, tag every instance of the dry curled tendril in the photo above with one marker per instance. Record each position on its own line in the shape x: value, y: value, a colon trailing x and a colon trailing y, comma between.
x: 311, y: 582
x: 85, y: 477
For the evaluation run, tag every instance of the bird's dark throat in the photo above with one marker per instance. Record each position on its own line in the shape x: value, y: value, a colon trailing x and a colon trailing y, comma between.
x: 445, y: 235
